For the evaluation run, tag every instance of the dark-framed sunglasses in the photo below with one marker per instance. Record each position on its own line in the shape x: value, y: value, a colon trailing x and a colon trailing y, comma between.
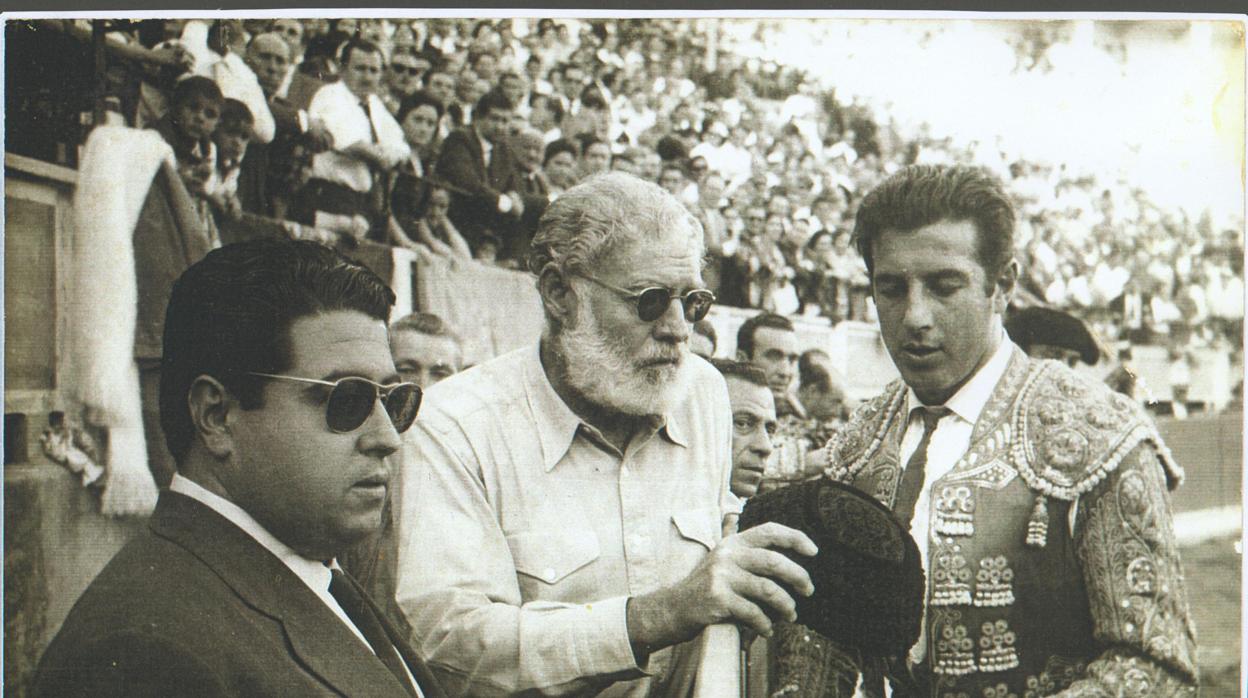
x: 351, y: 401
x: 402, y: 69
x: 652, y: 302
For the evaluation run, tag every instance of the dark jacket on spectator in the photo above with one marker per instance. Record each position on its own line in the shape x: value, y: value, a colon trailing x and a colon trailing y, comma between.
x: 476, y: 191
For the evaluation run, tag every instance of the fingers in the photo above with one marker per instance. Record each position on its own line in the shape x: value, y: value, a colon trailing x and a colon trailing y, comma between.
x: 769, y: 565
x: 774, y: 535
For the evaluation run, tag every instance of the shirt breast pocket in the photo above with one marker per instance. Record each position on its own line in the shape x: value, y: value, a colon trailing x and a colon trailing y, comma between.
x: 698, y: 525
x: 547, y: 561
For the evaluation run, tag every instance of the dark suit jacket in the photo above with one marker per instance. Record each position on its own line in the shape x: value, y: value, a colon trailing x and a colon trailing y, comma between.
x: 196, y: 607
x: 474, y: 208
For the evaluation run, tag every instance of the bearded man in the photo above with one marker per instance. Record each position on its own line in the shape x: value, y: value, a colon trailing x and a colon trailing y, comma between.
x: 562, y: 534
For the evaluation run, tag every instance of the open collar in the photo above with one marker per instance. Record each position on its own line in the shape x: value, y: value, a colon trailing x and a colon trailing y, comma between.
x: 968, y: 403
x: 556, y: 424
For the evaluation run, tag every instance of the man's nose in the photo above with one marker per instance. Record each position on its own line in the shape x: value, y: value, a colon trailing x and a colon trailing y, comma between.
x: 762, y: 444
x: 672, y: 325
x: 918, y: 311
x: 378, y: 436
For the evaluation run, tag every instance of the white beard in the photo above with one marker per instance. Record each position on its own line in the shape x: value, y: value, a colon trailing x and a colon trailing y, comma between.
x: 602, y: 370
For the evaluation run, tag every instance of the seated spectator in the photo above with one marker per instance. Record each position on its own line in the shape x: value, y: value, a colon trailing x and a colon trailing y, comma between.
x: 418, y: 116
x: 624, y: 162
x: 559, y: 162
x: 672, y: 179
x: 595, y: 155
x: 235, y: 78
x: 289, y: 171
x: 350, y: 180
x: 821, y: 390
x: 476, y: 162
x: 195, y: 173
x: 546, y: 115
x: 230, y: 140
x: 195, y: 109
x: 404, y: 77
x: 435, y: 229
x: 532, y: 185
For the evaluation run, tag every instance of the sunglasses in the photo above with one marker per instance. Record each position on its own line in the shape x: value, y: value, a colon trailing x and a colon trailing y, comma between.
x: 653, y: 302
x: 351, y: 401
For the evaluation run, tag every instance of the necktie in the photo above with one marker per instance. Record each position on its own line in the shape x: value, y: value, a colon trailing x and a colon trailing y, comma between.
x: 368, y: 114
x: 912, y: 478
x: 348, y: 594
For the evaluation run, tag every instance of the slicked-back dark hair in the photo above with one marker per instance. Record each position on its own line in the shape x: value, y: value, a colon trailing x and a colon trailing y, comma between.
x: 745, y: 335
x: 921, y: 195
x: 231, y: 312
x: 740, y: 369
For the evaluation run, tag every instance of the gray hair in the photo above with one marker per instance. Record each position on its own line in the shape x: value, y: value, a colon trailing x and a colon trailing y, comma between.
x: 589, y: 220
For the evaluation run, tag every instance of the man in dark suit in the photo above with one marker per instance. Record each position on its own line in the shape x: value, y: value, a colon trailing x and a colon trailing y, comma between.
x: 280, y: 403
x: 478, y: 164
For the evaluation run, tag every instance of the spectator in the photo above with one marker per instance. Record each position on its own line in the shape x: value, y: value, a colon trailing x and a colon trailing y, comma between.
x: 194, y: 112
x: 477, y: 163
x: 230, y: 138
x: 434, y: 228
x: 769, y: 342
x: 546, y: 115
x: 595, y: 156
x: 350, y: 181
x: 559, y: 165
x: 425, y: 349
x: 753, y: 424
x: 459, y: 110
x: 672, y: 179
x: 404, y: 77
x: 419, y: 116
x: 533, y: 187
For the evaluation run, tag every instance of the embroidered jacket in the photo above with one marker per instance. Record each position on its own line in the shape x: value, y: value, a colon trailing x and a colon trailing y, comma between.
x: 1017, y: 604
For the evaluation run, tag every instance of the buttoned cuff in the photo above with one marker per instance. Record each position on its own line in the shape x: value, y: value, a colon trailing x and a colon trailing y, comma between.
x: 602, y: 631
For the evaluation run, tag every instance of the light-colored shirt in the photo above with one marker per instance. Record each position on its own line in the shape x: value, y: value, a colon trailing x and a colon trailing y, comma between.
x: 340, y: 110
x: 314, y: 573
x: 523, y: 533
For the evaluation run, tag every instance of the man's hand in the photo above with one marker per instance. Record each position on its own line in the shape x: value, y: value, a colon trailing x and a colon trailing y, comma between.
x: 738, y: 581
x: 517, y: 204
x: 318, y: 135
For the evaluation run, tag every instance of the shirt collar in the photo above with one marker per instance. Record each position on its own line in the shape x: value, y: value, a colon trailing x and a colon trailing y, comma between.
x: 557, y: 424
x: 314, y: 573
x: 971, y: 398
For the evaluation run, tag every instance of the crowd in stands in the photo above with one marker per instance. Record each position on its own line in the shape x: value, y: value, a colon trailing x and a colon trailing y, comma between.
x: 450, y: 136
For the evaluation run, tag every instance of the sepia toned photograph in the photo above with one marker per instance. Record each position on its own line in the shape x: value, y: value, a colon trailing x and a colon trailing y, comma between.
x: 689, y: 354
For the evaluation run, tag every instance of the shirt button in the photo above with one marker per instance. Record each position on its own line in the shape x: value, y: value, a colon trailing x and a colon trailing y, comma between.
x: 549, y: 574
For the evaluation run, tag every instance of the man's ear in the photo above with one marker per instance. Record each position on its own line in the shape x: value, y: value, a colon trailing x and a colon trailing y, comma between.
x: 213, y: 410
x: 557, y: 294
x: 742, y: 357
x: 1006, y: 283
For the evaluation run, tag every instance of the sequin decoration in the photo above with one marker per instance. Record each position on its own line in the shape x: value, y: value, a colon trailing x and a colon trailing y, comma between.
x: 994, y: 583
x: 951, y: 580
x: 996, y: 647
x: 999, y: 691
x: 955, y: 655
x: 955, y: 511
x: 1038, y: 524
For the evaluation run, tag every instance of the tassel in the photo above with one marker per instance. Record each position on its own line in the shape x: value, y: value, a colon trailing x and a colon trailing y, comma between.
x: 1038, y: 524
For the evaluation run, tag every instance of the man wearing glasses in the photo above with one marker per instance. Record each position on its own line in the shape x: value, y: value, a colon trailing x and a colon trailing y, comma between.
x: 280, y: 403
x: 404, y: 77
x: 562, y: 535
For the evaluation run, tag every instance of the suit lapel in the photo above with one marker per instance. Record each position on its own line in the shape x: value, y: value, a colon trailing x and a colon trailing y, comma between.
x: 318, y: 639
